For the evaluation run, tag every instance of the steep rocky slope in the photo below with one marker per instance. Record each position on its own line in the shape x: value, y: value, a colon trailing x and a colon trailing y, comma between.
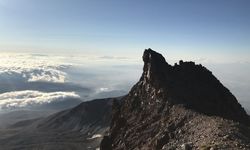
x: 177, y: 107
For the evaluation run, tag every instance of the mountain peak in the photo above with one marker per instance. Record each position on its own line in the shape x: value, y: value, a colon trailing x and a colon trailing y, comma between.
x: 187, y: 84
x: 151, y: 56
x: 165, y: 101
x: 154, y: 66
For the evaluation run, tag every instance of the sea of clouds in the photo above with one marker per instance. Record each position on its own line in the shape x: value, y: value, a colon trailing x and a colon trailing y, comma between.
x: 29, y: 81
x: 33, y: 68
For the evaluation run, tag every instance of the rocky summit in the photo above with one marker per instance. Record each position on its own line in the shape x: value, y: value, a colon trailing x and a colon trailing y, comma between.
x: 177, y: 107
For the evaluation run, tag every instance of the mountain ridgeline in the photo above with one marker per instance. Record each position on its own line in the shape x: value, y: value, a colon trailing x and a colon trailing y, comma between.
x: 177, y: 107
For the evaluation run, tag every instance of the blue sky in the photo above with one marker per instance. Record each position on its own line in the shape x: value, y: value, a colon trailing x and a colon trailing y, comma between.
x: 195, y: 28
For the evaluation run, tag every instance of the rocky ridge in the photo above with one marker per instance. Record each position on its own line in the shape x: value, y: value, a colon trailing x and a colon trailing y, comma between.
x: 177, y: 107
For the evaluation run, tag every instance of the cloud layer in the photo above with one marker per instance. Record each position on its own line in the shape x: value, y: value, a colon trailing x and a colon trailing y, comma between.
x: 29, y: 99
x: 32, y: 81
x: 33, y: 68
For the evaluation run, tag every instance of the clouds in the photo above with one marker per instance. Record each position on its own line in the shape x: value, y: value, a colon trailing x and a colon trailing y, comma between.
x: 29, y: 99
x: 32, y: 68
x: 47, y: 75
x: 31, y: 81
x: 51, y: 68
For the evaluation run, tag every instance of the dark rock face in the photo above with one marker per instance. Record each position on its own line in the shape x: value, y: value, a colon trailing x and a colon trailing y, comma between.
x: 191, y: 85
x: 173, y: 105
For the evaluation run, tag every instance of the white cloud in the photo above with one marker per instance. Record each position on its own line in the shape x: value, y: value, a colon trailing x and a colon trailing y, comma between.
x: 34, y: 67
x: 22, y: 99
x: 104, y: 89
x: 48, y: 75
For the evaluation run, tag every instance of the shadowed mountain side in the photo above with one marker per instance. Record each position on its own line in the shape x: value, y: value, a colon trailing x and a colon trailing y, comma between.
x: 10, y: 118
x: 91, y: 113
x: 191, y: 85
x: 78, y: 128
x: 177, y: 107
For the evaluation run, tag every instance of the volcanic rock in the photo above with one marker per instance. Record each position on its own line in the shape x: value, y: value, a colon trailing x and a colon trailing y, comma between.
x: 173, y: 106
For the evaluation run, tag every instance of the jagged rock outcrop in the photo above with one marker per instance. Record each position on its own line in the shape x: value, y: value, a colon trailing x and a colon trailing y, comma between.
x: 177, y: 107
